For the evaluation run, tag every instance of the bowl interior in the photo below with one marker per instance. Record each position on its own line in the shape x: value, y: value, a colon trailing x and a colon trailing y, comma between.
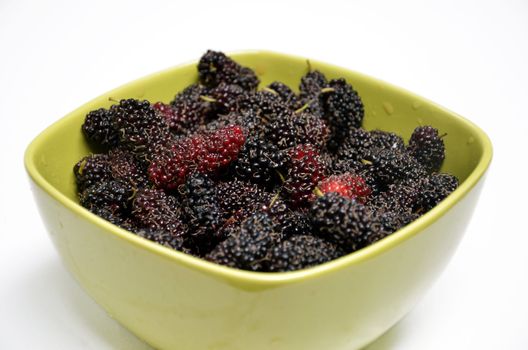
x: 51, y: 156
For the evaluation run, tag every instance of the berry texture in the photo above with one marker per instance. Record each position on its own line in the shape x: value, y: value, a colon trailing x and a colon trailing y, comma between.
x: 215, y: 67
x: 238, y: 199
x: 158, y: 213
x: 91, y: 170
x: 416, y: 195
x: 306, y: 169
x: 386, y: 140
x: 139, y: 126
x: 300, y: 252
x: 266, y: 106
x: 310, y: 91
x: 394, y: 220
x: 288, y: 222
x: 390, y: 166
x: 248, y: 120
x: 98, y: 128
x: 201, y: 212
x: 311, y: 85
x: 258, y: 162
x: 263, y: 180
x: 427, y: 147
x: 343, y: 109
x: 356, y: 145
x: 248, y: 245
x: 112, y: 196
x: 125, y: 167
x: 285, y: 93
x: 346, y: 185
x: 162, y: 236
x: 398, y: 198
x: 203, y: 153
x: 225, y: 98
x: 188, y: 110
x: 434, y: 189
x: 296, y: 129
x: 345, y: 222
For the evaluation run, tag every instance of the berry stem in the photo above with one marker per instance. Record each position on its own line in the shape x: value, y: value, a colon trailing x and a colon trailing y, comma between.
x: 317, y: 191
x: 309, y: 65
x: 270, y: 90
x: 327, y: 89
x: 274, y: 199
x: 282, y: 178
x: 81, y: 167
x: 133, y: 195
x: 207, y: 98
x: 306, y: 105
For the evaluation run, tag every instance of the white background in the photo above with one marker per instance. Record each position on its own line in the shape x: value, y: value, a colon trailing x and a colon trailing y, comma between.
x: 471, y: 57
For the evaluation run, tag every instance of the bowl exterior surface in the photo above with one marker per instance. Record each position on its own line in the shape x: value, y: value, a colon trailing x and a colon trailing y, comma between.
x: 174, y: 306
x: 175, y: 301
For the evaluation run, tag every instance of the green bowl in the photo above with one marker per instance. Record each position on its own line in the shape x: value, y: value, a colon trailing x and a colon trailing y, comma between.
x: 173, y: 300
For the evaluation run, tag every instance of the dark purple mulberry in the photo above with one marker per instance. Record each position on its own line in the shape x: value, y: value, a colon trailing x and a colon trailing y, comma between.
x: 99, y: 129
x: 311, y: 85
x: 345, y: 222
x: 296, y: 129
x: 139, y: 126
x: 285, y: 93
x: 355, y: 146
x: 390, y: 166
x: 248, y: 245
x: 110, y: 195
x: 258, y: 162
x: 310, y: 91
x: 91, y: 170
x: 303, y: 251
x: 125, y: 167
x: 238, y: 199
x: 266, y: 106
x: 189, y: 110
x: 427, y: 147
x: 215, y: 67
x: 305, y: 170
x: 433, y: 189
x: 343, y: 110
x: 387, y: 140
x: 158, y: 212
x: 202, y: 212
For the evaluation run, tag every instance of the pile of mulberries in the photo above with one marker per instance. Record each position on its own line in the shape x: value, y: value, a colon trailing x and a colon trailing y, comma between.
x: 263, y: 179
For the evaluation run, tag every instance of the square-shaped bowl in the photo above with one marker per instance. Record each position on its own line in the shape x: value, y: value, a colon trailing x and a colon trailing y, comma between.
x: 173, y: 300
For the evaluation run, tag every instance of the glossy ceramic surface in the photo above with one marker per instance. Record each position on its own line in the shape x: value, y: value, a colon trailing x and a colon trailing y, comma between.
x: 176, y: 301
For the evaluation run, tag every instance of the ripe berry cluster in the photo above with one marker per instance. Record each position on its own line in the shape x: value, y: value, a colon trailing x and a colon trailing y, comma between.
x: 257, y: 179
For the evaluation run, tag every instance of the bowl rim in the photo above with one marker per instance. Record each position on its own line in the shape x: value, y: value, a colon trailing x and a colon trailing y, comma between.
x: 266, y: 278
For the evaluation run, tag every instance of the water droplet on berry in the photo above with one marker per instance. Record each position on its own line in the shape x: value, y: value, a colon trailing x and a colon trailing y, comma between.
x: 470, y: 140
x: 416, y: 105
